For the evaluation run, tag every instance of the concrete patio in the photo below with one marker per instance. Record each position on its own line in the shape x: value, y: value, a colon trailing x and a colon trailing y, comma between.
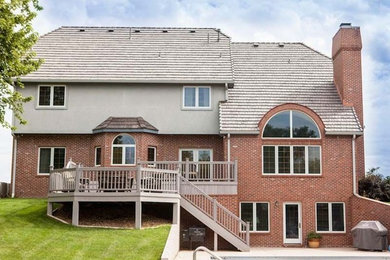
x: 291, y: 254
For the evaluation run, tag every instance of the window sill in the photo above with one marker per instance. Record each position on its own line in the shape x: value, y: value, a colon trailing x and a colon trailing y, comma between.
x: 196, y: 109
x: 51, y: 108
x: 292, y: 175
x: 331, y: 232
x: 43, y: 174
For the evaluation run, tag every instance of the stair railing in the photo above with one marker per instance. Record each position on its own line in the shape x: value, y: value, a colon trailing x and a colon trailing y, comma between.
x: 213, y: 209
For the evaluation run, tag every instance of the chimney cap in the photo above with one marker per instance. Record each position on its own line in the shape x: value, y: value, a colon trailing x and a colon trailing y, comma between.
x: 345, y: 25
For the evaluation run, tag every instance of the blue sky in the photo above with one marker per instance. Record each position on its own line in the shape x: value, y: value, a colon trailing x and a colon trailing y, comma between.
x: 311, y: 22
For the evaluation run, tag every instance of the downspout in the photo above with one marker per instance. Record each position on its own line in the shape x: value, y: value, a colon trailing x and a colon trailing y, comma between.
x: 14, y: 166
x: 354, y: 166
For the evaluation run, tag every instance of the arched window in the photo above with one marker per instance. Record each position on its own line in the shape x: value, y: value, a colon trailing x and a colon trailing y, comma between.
x: 123, y: 150
x: 291, y: 124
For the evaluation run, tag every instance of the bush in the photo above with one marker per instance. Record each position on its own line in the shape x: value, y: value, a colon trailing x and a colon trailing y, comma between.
x: 375, y: 186
x: 313, y: 235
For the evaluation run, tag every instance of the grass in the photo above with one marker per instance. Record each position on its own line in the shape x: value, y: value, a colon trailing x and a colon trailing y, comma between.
x: 27, y: 233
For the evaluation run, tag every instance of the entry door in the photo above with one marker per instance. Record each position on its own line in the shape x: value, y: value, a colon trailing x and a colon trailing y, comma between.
x: 292, y: 223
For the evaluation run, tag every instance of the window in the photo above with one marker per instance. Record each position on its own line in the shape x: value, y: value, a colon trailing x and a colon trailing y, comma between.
x: 123, y: 150
x: 330, y: 217
x: 291, y: 124
x: 196, y: 97
x: 291, y: 159
x: 98, y: 156
x: 50, y: 156
x: 51, y: 96
x: 196, y: 155
x: 257, y: 214
x: 152, y: 154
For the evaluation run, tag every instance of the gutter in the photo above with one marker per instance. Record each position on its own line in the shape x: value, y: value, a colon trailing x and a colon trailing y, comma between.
x: 354, y: 166
x: 14, y: 166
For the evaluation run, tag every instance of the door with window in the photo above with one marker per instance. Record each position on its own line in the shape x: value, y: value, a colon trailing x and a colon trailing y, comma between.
x: 200, y: 170
x: 292, y: 223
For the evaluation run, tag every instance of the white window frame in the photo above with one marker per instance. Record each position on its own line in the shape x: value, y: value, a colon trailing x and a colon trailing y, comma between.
x: 330, y: 218
x: 98, y: 147
x: 254, y: 216
x: 196, y: 153
x: 291, y: 127
x: 292, y: 161
x: 52, y: 106
x: 123, y: 146
x: 155, y: 155
x: 196, y: 107
x: 51, y: 158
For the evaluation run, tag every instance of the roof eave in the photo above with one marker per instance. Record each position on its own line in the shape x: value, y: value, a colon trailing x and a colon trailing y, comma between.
x: 124, y: 130
x: 240, y: 132
x: 343, y: 132
x: 62, y: 80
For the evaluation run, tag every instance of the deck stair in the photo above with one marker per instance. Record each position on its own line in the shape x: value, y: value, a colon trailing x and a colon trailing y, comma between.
x: 215, y: 216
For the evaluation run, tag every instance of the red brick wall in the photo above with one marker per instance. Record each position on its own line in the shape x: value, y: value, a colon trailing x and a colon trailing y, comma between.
x: 81, y: 148
x: 334, y: 185
x: 367, y: 209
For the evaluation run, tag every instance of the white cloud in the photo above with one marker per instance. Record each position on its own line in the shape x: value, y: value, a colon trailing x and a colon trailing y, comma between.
x: 308, y: 21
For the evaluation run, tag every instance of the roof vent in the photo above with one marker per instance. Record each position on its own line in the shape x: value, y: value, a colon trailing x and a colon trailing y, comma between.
x: 255, y: 44
x: 345, y: 25
x: 192, y: 31
x: 281, y: 44
x: 137, y: 31
x: 164, y: 31
x: 110, y: 30
x: 82, y: 30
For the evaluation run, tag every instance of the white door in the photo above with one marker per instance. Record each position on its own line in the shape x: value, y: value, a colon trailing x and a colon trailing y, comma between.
x: 292, y: 223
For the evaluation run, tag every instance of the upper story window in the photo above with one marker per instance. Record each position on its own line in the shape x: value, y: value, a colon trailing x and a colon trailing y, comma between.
x: 51, y: 96
x: 291, y: 124
x: 197, y: 97
x: 123, y: 150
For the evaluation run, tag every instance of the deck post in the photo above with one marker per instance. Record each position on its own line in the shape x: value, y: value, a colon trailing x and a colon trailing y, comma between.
x: 247, y: 233
x: 138, y: 178
x: 78, y: 176
x: 75, y: 213
x: 187, y: 173
x: 215, y: 241
x: 138, y: 214
x: 235, y: 170
x: 49, y: 208
x: 176, y: 213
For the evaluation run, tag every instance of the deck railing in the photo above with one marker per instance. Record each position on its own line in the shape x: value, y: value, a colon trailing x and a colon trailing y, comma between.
x: 199, y: 171
x: 113, y: 179
x: 213, y: 209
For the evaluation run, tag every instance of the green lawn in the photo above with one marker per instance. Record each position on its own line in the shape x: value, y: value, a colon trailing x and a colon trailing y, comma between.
x: 27, y: 233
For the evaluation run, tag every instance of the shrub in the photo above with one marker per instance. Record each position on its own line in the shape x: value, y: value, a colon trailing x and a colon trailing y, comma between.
x: 313, y: 235
x: 375, y: 186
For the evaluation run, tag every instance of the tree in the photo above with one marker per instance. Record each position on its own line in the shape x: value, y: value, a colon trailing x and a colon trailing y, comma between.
x: 375, y: 186
x: 16, y: 56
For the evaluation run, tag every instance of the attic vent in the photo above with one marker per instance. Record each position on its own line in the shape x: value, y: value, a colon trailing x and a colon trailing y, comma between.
x: 82, y: 30
x: 255, y: 45
x: 164, y: 31
x: 281, y: 44
x: 192, y: 31
x: 137, y: 31
x: 110, y: 30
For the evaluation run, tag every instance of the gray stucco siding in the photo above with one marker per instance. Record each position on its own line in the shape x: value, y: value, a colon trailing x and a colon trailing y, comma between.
x: 87, y: 105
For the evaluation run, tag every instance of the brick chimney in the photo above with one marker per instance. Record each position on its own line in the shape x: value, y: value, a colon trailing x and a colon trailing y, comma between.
x: 347, y: 68
x: 347, y: 75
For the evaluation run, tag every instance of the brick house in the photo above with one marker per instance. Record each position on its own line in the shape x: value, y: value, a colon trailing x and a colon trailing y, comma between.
x: 259, y: 142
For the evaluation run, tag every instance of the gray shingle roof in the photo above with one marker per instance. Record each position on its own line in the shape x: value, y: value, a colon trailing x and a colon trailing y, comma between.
x: 269, y: 75
x: 125, y: 124
x: 191, y: 55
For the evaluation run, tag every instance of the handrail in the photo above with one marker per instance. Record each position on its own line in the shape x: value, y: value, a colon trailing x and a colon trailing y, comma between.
x: 212, y: 208
x: 205, y: 249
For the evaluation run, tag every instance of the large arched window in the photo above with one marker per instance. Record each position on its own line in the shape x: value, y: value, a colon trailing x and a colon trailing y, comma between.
x: 282, y: 157
x: 123, y: 150
x: 291, y: 124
